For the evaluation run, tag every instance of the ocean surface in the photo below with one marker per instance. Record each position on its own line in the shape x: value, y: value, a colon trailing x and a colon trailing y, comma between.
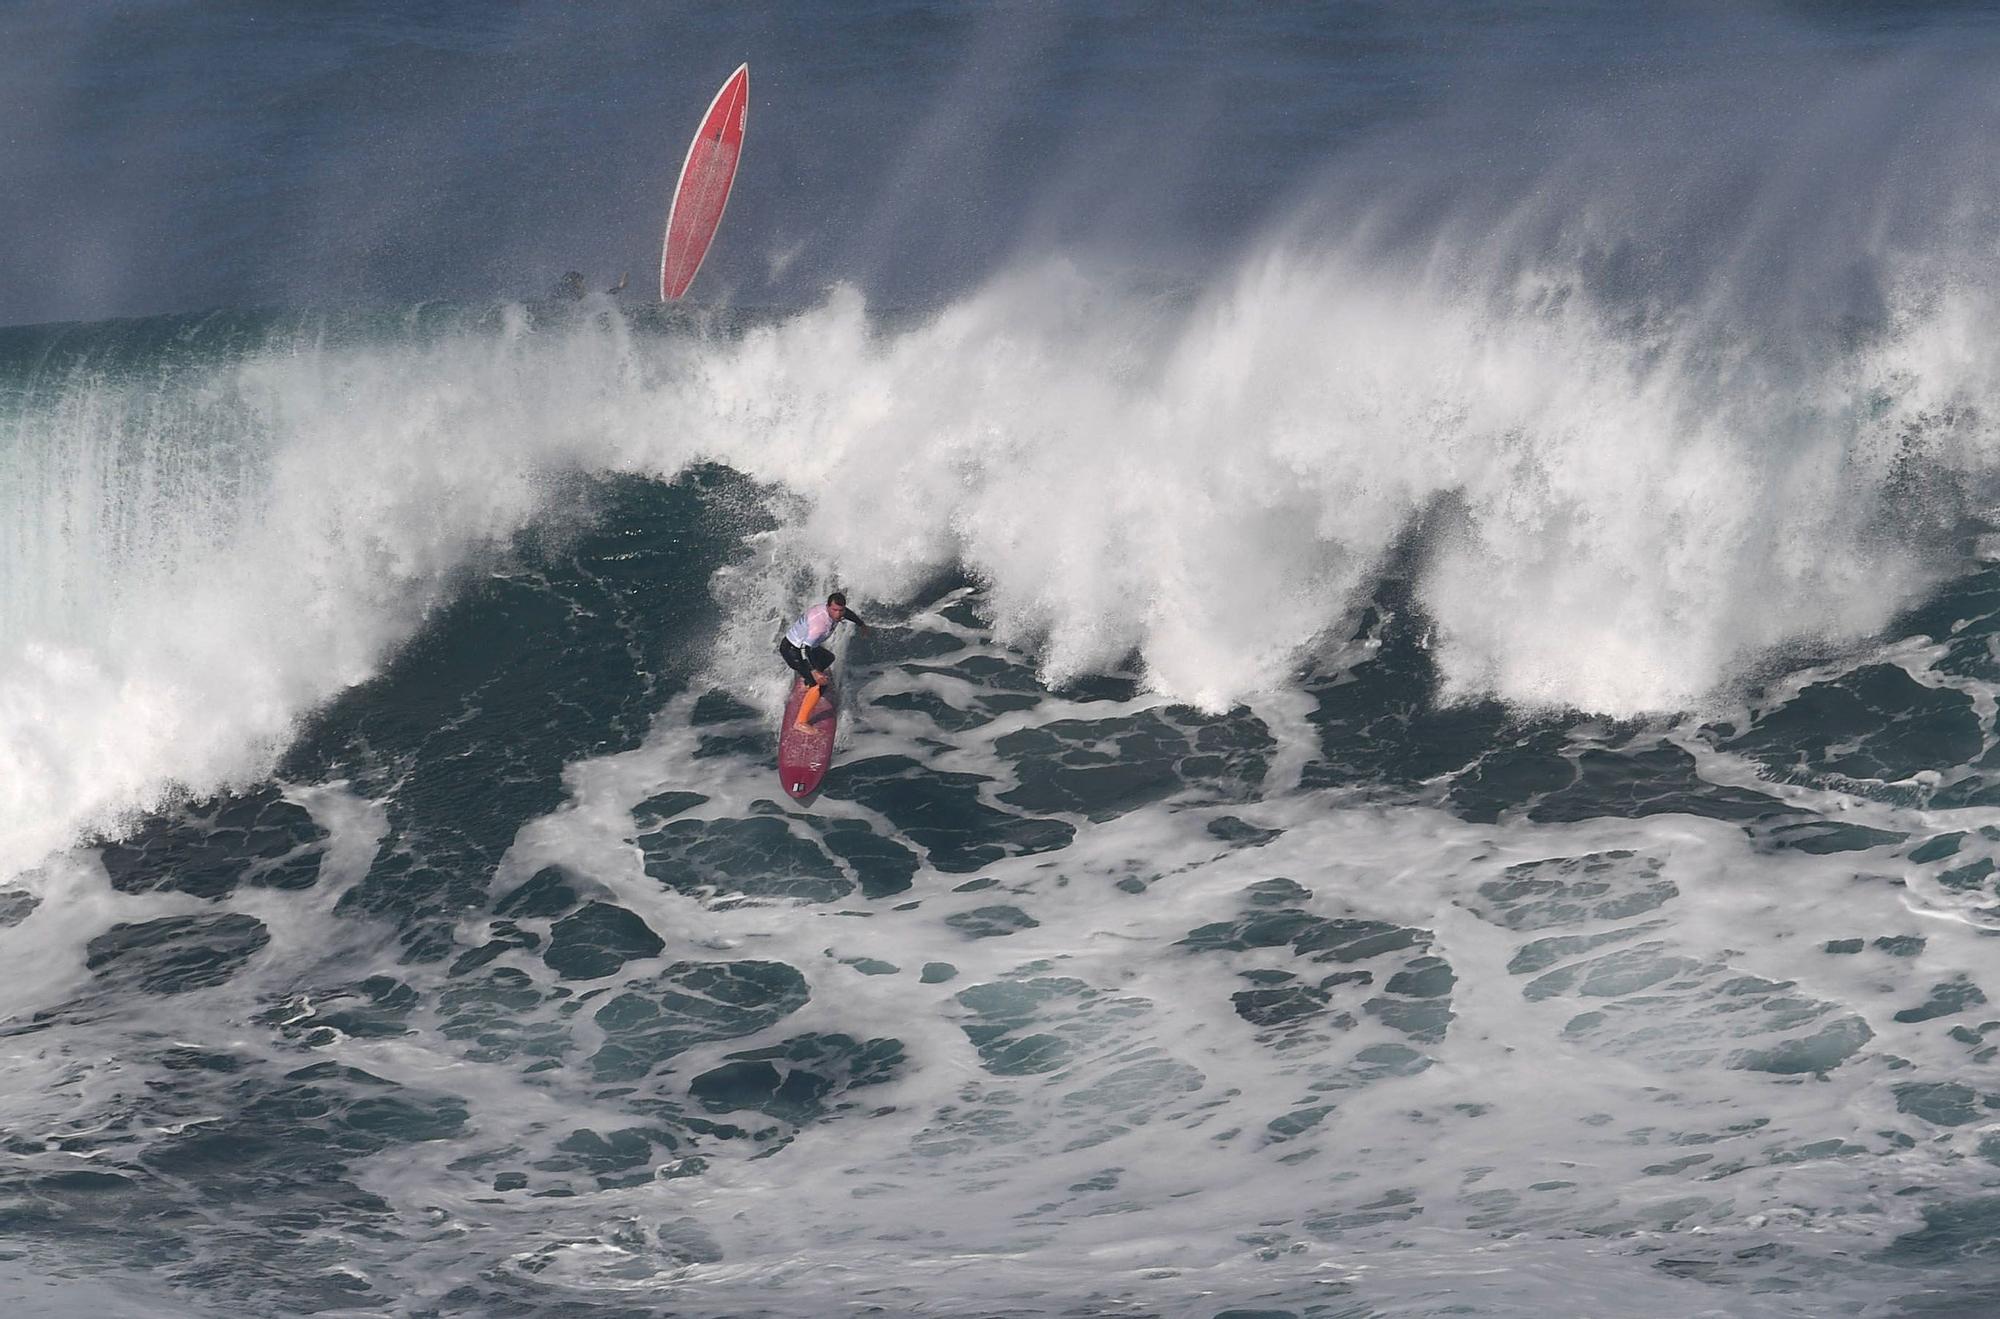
x: 1428, y: 746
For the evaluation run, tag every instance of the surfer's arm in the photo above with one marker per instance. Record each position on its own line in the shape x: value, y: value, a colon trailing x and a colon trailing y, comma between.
x: 849, y: 616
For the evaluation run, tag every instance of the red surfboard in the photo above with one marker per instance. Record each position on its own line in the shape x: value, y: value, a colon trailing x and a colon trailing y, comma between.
x: 703, y: 191
x: 804, y: 754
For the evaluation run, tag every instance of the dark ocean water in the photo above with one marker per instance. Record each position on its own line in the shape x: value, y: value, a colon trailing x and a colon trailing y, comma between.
x: 1428, y: 748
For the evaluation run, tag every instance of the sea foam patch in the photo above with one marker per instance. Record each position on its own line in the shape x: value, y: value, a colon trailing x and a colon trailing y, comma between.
x: 1088, y: 994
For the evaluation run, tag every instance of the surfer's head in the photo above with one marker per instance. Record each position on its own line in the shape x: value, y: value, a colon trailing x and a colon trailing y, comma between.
x: 836, y: 605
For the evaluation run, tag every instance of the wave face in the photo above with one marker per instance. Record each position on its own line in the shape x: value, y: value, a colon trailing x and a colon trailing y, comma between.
x: 1230, y: 878
x: 217, y: 527
x: 1445, y: 763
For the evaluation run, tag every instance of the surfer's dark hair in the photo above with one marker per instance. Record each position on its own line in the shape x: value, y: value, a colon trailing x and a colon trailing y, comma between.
x: 838, y: 598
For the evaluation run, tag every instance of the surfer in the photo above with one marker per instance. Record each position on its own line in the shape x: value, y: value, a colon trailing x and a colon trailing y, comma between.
x: 803, y: 651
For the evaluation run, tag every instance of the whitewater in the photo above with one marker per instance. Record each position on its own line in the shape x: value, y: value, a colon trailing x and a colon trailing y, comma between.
x: 1440, y: 762
x: 203, y: 552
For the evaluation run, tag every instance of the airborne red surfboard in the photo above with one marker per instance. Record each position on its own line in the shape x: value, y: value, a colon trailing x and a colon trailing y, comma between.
x: 803, y: 755
x: 703, y: 191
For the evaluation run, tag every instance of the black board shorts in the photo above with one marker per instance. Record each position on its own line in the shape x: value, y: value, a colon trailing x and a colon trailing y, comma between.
x: 804, y: 662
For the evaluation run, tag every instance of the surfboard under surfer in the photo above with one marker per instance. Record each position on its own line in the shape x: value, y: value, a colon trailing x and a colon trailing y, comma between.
x: 804, y: 651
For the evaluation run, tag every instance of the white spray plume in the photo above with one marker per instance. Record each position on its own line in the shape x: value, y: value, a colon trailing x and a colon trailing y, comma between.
x: 1211, y: 481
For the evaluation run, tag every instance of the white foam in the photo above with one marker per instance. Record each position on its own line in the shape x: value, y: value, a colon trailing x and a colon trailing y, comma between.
x: 1542, y: 1160
x: 1562, y: 1141
x: 190, y: 564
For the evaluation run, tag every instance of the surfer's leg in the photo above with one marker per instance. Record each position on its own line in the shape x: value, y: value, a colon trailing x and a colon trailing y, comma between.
x: 795, y: 660
x: 806, y: 707
x: 821, y: 660
x: 805, y: 662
